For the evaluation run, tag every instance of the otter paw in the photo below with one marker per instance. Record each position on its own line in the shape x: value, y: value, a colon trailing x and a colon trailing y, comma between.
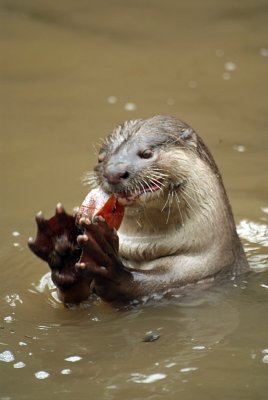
x: 100, y: 258
x: 55, y: 241
x: 99, y: 242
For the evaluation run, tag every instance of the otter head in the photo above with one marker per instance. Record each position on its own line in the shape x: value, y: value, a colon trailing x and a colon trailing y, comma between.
x: 153, y: 160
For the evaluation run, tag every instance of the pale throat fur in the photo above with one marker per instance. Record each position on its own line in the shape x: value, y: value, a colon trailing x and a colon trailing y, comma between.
x: 176, y: 221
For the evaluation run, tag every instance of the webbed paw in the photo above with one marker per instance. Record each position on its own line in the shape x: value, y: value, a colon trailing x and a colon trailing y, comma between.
x: 56, y: 243
x: 101, y: 259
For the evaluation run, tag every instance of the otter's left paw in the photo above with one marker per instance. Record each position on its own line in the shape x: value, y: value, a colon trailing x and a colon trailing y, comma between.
x: 100, y: 243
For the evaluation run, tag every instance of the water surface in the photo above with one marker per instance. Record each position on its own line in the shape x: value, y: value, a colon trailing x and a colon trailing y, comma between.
x: 70, y: 72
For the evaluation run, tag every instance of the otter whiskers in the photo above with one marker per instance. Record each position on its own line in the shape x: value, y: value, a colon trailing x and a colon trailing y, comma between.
x: 90, y: 179
x: 178, y: 205
x: 173, y: 196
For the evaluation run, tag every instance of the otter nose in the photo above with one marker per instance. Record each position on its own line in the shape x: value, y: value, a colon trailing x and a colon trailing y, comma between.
x: 115, y: 175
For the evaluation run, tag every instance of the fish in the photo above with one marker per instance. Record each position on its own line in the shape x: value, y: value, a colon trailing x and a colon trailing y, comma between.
x: 99, y: 203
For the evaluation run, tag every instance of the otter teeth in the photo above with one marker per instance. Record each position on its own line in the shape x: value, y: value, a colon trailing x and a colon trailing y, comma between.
x: 129, y: 197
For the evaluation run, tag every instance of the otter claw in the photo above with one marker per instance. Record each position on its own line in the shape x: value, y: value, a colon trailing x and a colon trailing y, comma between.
x: 84, y: 221
x: 40, y: 220
x: 32, y: 244
x: 60, y: 209
x: 82, y: 238
x: 80, y: 265
x: 40, y: 216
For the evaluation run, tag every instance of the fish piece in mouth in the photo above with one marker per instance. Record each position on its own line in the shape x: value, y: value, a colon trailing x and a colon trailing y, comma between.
x: 99, y: 203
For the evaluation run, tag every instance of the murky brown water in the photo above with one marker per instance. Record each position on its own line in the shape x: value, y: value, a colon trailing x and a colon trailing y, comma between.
x: 206, y: 62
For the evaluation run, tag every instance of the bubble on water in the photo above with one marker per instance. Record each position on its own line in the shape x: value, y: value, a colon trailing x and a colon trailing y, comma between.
x: 19, y: 364
x: 43, y: 327
x: 66, y: 371
x: 8, y: 319
x: 130, y: 106
x: 264, y: 52
x: 73, y: 358
x: 141, y: 378
x: 240, y: 148
x: 41, y: 374
x: 15, y: 233
x: 112, y: 99
x: 264, y: 286
x: 171, y: 365
x: 22, y: 344
x: 265, y: 209
x: 7, y: 356
x: 230, y: 66
x: 96, y: 319
x: 265, y: 359
x: 188, y: 369
x: 265, y: 351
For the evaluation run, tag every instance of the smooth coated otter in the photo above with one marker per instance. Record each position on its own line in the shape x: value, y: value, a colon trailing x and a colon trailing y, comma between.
x: 178, y: 228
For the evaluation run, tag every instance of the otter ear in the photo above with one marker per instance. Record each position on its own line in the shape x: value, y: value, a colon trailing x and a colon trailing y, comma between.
x: 188, y: 135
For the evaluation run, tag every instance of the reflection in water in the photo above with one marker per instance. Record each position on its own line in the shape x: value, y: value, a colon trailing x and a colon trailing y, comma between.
x: 253, y: 232
x: 71, y: 71
x: 256, y: 236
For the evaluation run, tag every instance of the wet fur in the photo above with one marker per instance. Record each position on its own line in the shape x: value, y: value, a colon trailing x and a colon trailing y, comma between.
x: 187, y: 228
x: 178, y: 228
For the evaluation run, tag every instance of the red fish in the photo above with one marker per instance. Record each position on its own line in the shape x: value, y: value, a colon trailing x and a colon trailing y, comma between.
x: 97, y: 202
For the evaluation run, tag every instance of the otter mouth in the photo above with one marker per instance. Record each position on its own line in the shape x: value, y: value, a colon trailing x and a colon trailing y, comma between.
x: 129, y: 197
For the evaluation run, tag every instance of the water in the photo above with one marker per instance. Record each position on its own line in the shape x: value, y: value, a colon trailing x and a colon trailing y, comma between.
x: 71, y: 71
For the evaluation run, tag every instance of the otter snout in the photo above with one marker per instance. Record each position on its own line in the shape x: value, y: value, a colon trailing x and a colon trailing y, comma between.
x: 115, y: 174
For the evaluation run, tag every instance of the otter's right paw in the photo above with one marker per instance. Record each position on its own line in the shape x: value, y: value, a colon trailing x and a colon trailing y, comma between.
x: 56, y: 243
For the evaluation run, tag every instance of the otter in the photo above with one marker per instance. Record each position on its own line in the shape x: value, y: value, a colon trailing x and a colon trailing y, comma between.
x: 178, y: 228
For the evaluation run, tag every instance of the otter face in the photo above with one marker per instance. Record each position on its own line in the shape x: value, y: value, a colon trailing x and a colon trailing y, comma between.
x: 136, y: 161
x: 130, y: 169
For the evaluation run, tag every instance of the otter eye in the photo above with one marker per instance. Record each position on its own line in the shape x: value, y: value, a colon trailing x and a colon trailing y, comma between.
x: 101, y: 157
x: 148, y: 153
